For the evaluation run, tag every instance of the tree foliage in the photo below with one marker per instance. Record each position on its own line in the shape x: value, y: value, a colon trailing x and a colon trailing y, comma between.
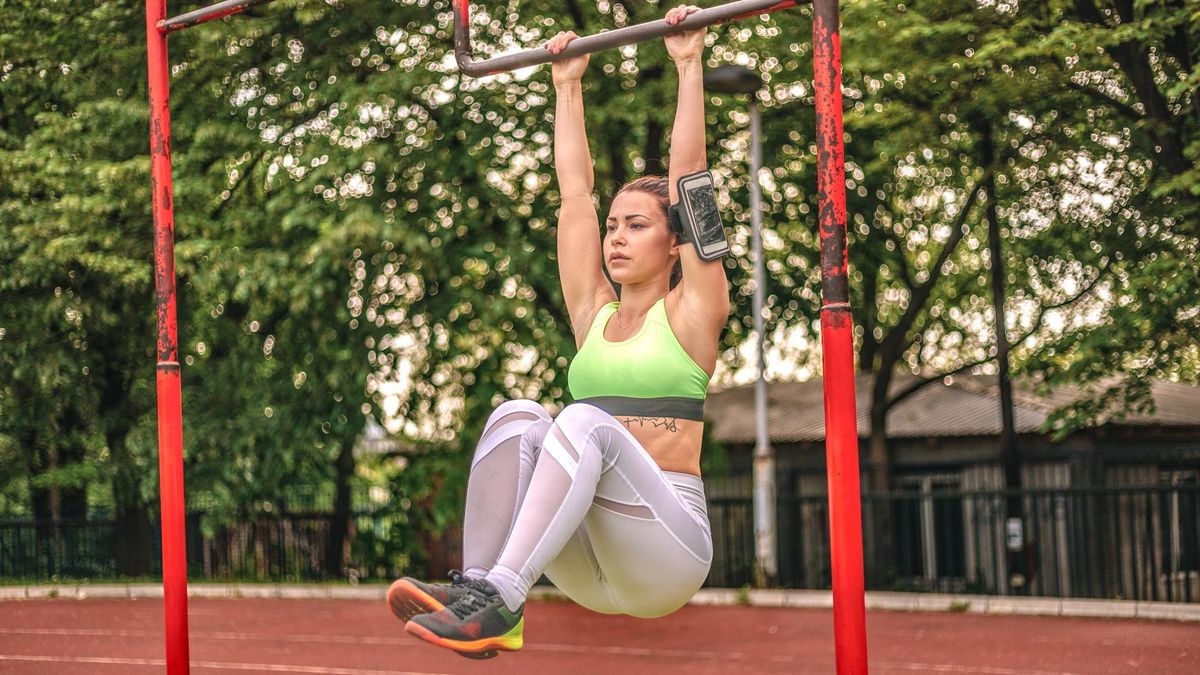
x: 364, y: 233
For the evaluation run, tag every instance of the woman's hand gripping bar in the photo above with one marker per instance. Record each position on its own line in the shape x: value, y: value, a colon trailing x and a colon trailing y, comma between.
x: 641, y: 32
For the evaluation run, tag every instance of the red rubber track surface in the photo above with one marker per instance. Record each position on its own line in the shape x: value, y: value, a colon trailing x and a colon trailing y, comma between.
x: 347, y: 637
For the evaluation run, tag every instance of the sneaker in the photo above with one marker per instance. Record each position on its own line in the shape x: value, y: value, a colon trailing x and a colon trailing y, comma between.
x: 408, y: 597
x: 477, y: 623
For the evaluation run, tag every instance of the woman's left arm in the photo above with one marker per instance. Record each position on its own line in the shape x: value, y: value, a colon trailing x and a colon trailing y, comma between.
x: 704, y: 291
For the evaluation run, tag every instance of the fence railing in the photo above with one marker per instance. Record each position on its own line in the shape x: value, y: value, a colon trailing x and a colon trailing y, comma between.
x: 1129, y: 543
x: 288, y: 547
x: 71, y: 549
x: 1135, y: 543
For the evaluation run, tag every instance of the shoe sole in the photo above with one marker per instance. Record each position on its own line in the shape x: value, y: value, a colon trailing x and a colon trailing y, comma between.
x: 512, y: 641
x: 406, y: 600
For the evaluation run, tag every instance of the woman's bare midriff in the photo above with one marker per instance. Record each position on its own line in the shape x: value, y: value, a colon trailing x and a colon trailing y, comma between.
x: 673, y: 443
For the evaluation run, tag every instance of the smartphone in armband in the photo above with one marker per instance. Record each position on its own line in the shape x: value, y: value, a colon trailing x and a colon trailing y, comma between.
x: 696, y: 217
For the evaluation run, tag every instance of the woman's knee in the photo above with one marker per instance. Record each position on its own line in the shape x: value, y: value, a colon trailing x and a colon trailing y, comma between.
x: 581, y: 423
x: 511, y: 419
x: 516, y: 409
x: 520, y: 405
x: 578, y: 414
x: 532, y: 439
x: 575, y: 431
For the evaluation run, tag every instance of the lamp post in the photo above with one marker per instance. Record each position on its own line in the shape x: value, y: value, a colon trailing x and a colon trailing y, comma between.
x: 733, y: 79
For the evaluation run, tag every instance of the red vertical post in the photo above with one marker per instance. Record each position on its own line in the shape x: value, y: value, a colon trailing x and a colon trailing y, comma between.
x: 837, y: 345
x: 170, y: 416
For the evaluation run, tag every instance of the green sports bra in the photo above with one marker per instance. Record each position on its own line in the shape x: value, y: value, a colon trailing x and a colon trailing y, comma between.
x: 648, y: 375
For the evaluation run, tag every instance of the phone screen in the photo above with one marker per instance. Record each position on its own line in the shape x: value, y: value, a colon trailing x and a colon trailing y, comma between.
x: 703, y: 206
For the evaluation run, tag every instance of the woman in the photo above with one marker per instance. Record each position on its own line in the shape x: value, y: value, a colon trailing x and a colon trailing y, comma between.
x: 606, y: 499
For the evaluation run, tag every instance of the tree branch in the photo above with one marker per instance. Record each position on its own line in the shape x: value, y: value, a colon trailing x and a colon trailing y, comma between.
x: 243, y: 177
x: 923, y: 382
x: 893, y: 344
x: 1132, y: 59
x: 1106, y: 100
x: 905, y: 270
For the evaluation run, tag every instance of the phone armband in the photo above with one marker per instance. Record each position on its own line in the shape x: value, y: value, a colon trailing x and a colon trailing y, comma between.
x: 695, y: 217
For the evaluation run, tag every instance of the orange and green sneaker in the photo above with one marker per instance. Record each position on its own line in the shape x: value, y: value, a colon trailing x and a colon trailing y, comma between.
x: 409, y: 597
x: 478, y: 623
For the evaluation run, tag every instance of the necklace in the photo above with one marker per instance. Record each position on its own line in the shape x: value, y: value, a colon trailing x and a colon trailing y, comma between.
x: 622, y: 324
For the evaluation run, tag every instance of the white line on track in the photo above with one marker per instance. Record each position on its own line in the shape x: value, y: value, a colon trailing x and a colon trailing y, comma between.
x: 539, y: 647
x: 406, y: 642
x: 277, y: 637
x: 211, y: 665
x: 320, y: 670
x: 951, y: 668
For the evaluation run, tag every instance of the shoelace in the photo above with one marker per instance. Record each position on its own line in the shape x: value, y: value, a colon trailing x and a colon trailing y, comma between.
x: 457, y: 578
x: 472, y: 601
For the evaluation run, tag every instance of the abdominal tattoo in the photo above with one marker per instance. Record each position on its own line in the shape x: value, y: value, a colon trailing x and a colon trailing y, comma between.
x: 667, y: 423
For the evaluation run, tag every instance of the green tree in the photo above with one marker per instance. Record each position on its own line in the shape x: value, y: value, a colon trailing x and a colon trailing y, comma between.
x: 363, y: 232
x: 388, y: 228
x: 76, y: 238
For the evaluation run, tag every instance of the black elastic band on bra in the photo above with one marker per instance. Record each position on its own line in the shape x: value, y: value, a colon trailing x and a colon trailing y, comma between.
x: 663, y: 406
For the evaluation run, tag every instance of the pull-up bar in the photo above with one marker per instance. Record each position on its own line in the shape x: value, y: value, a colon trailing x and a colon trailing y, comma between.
x: 199, y: 16
x: 739, y: 9
x: 841, y: 435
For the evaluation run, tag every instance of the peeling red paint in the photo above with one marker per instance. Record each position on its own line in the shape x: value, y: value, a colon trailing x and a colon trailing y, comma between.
x: 170, y: 413
x: 831, y: 172
x: 837, y: 350
x: 158, y: 140
x: 836, y: 317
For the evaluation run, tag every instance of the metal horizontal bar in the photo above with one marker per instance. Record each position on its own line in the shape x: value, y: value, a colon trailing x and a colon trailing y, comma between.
x: 209, y: 13
x: 620, y: 37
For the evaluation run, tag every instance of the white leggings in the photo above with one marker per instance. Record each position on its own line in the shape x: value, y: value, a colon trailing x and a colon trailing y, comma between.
x: 577, y: 498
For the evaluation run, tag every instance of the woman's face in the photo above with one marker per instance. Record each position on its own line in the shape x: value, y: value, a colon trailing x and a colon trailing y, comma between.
x: 638, y: 244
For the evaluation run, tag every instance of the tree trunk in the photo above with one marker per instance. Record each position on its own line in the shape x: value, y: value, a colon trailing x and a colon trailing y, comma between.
x: 616, y: 160
x: 42, y: 500
x: 868, y: 348
x: 67, y: 502
x: 653, y: 153
x: 879, y: 453
x: 881, y: 538
x: 134, y: 541
x: 1009, y: 451
x: 339, y: 523
x: 133, y: 536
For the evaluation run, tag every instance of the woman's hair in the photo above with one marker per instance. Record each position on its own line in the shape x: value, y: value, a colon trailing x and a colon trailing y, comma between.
x: 657, y: 187
x: 651, y: 185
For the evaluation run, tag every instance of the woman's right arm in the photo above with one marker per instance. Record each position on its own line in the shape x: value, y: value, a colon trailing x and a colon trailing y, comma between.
x: 580, y: 257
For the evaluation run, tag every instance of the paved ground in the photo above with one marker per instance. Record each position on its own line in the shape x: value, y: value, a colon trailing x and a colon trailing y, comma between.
x: 335, y: 637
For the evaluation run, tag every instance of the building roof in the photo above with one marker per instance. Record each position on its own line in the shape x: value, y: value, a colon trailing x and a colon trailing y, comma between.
x: 963, y: 405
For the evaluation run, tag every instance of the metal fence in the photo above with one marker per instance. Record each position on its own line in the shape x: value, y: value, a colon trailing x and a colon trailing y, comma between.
x: 1133, y: 543
x: 289, y: 547
x: 71, y: 549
